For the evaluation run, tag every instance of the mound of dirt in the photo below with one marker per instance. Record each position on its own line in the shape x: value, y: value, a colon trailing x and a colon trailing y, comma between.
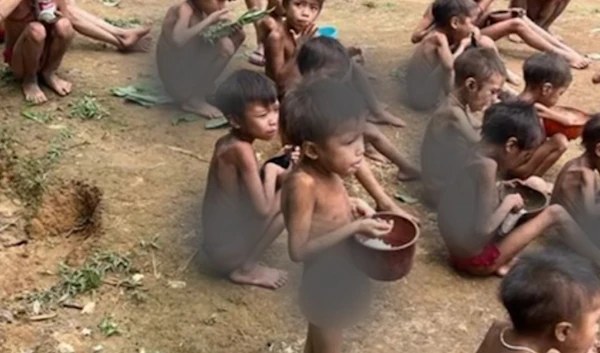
x: 72, y: 208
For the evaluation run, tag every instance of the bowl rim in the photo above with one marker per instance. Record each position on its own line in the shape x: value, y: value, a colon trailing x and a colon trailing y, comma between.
x: 328, y: 27
x: 399, y: 247
x: 541, y: 208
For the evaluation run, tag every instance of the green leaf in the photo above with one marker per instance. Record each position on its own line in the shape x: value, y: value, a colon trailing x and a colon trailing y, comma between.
x: 405, y: 198
x: 216, y: 123
x: 185, y: 118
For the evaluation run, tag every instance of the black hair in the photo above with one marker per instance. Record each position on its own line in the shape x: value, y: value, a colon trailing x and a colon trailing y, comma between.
x: 512, y: 119
x: 323, y: 53
x: 550, y: 68
x: 444, y: 10
x: 478, y: 63
x: 318, y: 108
x: 547, y: 287
x: 241, y: 88
x: 286, y: 3
x: 590, y: 136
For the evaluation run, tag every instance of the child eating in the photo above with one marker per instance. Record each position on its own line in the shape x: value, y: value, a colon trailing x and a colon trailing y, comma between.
x: 553, y: 300
x: 189, y: 65
x: 325, y: 118
x: 34, y: 48
x: 470, y: 210
x: 454, y: 128
x: 241, y: 215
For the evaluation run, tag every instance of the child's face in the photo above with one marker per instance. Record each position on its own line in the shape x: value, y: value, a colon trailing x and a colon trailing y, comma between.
x: 261, y: 121
x: 515, y: 156
x: 301, y: 13
x: 463, y: 26
x: 480, y: 95
x: 342, y: 153
x: 581, y: 337
x: 550, y: 95
x: 210, y: 6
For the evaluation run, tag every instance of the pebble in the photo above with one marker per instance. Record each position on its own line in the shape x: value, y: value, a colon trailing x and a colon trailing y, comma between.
x: 65, y: 348
x: 89, y: 308
x: 97, y: 348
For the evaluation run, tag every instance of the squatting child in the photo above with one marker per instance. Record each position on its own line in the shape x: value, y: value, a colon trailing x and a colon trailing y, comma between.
x: 325, y: 118
x: 553, y: 301
x: 187, y: 64
x: 241, y: 215
x: 454, y: 127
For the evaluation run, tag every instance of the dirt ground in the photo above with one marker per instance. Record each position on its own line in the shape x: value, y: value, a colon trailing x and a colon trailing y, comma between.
x: 152, y: 191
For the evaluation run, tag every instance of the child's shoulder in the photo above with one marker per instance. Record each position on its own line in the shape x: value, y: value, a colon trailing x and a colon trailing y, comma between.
x: 300, y: 180
x: 232, y: 148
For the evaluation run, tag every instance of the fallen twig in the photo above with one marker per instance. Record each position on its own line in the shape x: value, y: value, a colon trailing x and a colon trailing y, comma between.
x: 73, y: 306
x: 154, y: 268
x: 185, y: 265
x: 42, y: 317
x: 188, y: 153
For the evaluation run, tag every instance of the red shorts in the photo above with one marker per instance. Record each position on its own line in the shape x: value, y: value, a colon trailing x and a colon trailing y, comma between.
x: 487, y: 258
x: 7, y: 54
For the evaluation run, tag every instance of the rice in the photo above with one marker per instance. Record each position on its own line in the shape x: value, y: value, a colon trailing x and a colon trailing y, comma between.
x: 375, y: 243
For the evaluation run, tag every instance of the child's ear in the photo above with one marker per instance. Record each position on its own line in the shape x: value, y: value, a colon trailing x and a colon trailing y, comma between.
x: 471, y: 84
x: 454, y: 22
x: 562, y: 331
x: 547, y: 88
x: 234, y: 121
x: 511, y: 145
x: 597, y: 150
x: 309, y: 149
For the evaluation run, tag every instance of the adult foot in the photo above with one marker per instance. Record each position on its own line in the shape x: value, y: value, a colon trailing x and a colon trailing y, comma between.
x: 385, y: 117
x: 408, y: 174
x: 136, y: 40
x: 371, y: 152
x: 260, y: 276
x: 33, y: 93
x: 57, y: 84
x: 201, y: 108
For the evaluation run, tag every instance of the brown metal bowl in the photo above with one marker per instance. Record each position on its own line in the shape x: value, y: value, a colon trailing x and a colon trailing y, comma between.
x: 535, y: 201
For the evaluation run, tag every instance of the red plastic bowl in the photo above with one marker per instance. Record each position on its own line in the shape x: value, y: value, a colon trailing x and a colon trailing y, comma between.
x: 393, y: 263
x: 573, y: 131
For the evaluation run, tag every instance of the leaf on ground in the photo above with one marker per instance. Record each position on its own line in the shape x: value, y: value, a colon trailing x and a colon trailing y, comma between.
x: 185, y: 118
x: 594, y: 56
x: 216, y: 123
x: 405, y: 198
x: 111, y: 3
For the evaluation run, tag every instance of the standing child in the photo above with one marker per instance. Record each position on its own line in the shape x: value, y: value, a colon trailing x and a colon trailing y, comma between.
x: 454, y: 127
x: 324, y: 118
x: 470, y: 209
x: 241, y: 214
x: 187, y: 64
x: 553, y: 300
x: 547, y: 77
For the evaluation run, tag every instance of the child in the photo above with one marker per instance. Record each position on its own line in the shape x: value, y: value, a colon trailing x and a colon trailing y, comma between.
x: 324, y: 118
x: 35, y: 49
x: 553, y: 300
x: 327, y: 57
x: 470, y: 210
x: 454, y: 128
x: 241, y: 215
x: 577, y: 184
x: 547, y: 76
x: 188, y: 65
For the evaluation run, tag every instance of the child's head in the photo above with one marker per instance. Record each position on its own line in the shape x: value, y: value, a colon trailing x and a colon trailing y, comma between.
x: 479, y: 75
x: 301, y: 13
x: 210, y: 6
x: 514, y: 130
x: 555, y: 297
x: 249, y: 101
x: 325, y: 118
x: 547, y: 76
x: 590, y: 138
x: 323, y: 56
x: 455, y: 15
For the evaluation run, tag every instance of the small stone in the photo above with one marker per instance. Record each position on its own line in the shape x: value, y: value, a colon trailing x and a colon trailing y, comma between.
x: 97, y: 348
x: 7, y: 316
x: 177, y: 284
x: 86, y: 332
x: 89, y: 308
x: 137, y: 278
x: 37, y: 307
x: 65, y: 348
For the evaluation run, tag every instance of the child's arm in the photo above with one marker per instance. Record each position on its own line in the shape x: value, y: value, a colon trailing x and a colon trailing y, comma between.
x: 7, y: 7
x: 182, y: 33
x: 423, y: 27
x: 548, y: 113
x: 444, y: 52
x: 261, y: 195
x: 588, y: 190
x: 460, y: 121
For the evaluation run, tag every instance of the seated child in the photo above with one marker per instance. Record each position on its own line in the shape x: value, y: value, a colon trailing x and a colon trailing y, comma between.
x: 578, y: 184
x: 429, y: 74
x: 34, y: 49
x: 187, y: 64
x: 505, y: 23
x: 454, y: 127
x: 471, y: 213
x: 547, y: 76
x: 326, y: 120
x: 241, y: 215
x: 553, y: 300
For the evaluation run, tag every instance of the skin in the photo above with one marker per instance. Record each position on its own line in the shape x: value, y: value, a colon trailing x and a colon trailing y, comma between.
x: 319, y: 213
x: 234, y: 183
x: 542, y: 12
x: 36, y: 49
x: 181, y: 27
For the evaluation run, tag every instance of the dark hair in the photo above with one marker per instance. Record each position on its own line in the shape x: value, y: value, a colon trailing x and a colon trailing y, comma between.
x: 550, y: 68
x: 590, y: 136
x: 444, y: 10
x: 241, y: 88
x: 318, y: 108
x: 323, y: 52
x: 548, y: 287
x: 286, y: 3
x: 512, y: 119
x: 478, y: 63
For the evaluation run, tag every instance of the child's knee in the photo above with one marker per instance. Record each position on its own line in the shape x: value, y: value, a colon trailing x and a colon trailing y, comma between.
x: 559, y: 142
x: 558, y: 213
x: 518, y: 25
x: 228, y: 46
x: 64, y: 28
x: 487, y: 42
x: 36, y: 31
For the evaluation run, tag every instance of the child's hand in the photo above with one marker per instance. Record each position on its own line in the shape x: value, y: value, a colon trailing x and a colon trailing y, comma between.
x: 375, y: 227
x: 515, y: 201
x: 218, y: 16
x: 305, y: 35
x: 294, y: 152
x: 361, y: 209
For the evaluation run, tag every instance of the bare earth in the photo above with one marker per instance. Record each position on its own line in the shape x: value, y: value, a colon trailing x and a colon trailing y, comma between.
x: 152, y: 190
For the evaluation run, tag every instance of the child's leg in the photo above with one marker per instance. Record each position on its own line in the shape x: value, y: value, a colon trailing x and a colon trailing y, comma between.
x: 26, y: 57
x: 61, y: 37
x: 543, y: 157
x: 488, y: 42
x: 320, y: 340
x: 407, y: 171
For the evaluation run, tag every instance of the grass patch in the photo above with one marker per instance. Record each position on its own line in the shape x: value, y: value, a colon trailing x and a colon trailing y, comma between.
x: 87, y: 108
x: 108, y: 327
x: 38, y: 117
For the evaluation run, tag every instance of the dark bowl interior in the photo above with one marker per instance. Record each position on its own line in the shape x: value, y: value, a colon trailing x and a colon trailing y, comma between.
x: 535, y: 200
x: 403, y: 233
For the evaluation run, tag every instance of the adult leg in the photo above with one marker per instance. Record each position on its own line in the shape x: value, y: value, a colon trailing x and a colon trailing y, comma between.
x: 549, y: 11
x: 543, y: 157
x: 26, y: 57
x: 324, y: 340
x: 61, y: 36
x: 406, y: 171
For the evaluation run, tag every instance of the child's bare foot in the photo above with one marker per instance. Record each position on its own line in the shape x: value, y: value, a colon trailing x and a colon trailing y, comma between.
x: 503, y: 270
x: 33, y: 93
x: 577, y: 61
x: 57, y: 84
x: 408, y: 174
x: 385, y: 117
x: 257, y: 57
x: 136, y: 40
x: 371, y: 152
x: 515, y: 38
x: 261, y: 276
x: 513, y: 78
x: 201, y: 108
